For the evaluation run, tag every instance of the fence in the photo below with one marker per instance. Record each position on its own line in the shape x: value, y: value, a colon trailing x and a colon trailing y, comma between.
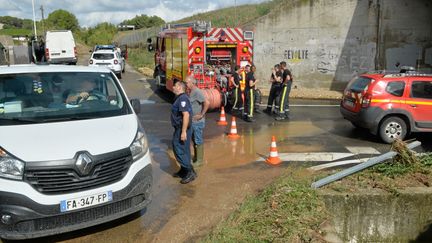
x: 137, y: 38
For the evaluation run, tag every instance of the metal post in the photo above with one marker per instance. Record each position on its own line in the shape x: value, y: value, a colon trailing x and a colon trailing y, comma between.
x: 43, y: 19
x: 360, y: 167
x: 34, y: 20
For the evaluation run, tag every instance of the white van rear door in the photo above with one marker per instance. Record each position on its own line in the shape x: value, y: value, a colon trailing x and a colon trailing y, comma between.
x: 60, y: 45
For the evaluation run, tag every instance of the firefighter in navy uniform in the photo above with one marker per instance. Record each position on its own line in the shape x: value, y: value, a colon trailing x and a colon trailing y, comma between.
x: 249, y: 93
x: 275, y: 79
x: 283, y: 112
x: 181, y: 120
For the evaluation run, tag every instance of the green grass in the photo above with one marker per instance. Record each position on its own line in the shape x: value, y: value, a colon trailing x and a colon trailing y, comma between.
x: 286, y: 211
x: 140, y: 57
x: 12, y: 32
x: 290, y: 211
x: 389, y: 176
x: 233, y: 16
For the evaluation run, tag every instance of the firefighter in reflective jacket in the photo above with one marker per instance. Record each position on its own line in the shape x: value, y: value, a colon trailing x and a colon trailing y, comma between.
x: 236, y: 80
x: 249, y: 93
x: 243, y: 74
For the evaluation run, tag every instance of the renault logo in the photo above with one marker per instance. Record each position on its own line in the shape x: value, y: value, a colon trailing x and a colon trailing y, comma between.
x: 84, y: 163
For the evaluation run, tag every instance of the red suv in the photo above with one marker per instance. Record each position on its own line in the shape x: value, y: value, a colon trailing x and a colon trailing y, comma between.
x: 389, y: 105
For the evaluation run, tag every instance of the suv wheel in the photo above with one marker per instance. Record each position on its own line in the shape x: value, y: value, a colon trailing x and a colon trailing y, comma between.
x: 392, y: 128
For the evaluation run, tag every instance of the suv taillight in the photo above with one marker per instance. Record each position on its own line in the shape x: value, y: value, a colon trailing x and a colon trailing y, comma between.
x: 115, y: 61
x: 366, y: 100
x: 47, y: 53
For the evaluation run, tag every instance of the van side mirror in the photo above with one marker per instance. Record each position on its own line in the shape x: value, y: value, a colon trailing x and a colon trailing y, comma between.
x: 136, y: 105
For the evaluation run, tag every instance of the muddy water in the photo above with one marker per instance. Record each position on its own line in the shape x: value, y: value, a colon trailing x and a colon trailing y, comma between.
x: 254, y: 143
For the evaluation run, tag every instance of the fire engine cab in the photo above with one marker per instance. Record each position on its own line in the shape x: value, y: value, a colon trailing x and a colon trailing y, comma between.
x: 209, y: 54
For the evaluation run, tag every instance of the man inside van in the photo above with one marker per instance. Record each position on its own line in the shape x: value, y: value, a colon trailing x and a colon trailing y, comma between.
x: 84, y: 92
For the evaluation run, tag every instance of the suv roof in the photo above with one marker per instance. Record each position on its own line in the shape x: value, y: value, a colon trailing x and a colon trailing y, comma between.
x: 104, y: 51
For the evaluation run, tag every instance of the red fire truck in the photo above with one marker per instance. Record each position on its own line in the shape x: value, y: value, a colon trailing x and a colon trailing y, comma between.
x: 209, y: 54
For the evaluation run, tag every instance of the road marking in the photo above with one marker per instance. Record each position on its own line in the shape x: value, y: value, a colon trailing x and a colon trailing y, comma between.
x: 362, y: 150
x: 338, y: 163
x: 312, y: 157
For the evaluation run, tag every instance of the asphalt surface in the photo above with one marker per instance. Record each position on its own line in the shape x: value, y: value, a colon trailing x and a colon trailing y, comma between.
x: 232, y: 170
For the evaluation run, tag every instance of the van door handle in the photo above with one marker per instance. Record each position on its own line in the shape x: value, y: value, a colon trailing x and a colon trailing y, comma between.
x: 413, y: 105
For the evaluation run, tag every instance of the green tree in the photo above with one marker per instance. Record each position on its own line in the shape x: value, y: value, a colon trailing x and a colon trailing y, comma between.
x: 62, y: 19
x: 11, y: 22
x: 102, y: 33
x: 144, y: 21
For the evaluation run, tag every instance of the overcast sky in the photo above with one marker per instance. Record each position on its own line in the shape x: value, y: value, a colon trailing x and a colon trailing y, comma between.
x: 92, y: 12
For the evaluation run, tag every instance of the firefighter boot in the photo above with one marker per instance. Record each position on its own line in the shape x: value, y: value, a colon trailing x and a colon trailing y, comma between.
x: 199, y: 152
x: 194, y: 159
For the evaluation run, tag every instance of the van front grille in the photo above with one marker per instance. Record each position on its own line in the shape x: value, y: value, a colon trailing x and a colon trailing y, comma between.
x: 66, y: 179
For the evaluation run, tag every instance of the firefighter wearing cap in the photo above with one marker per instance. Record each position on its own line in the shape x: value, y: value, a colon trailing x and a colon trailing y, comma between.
x: 283, y: 112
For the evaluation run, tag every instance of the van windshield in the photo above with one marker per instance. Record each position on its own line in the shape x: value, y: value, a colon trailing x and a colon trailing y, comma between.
x: 59, y: 96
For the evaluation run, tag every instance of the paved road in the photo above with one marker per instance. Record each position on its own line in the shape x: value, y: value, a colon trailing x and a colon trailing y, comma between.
x: 233, y: 169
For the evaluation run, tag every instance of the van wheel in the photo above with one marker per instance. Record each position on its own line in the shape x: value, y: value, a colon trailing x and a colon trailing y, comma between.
x: 392, y: 128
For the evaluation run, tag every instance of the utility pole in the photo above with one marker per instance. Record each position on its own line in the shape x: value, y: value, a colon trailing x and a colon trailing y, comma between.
x: 43, y: 20
x: 235, y: 13
x: 34, y: 21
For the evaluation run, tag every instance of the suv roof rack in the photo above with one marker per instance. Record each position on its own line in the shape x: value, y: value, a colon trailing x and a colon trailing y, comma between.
x: 410, y: 74
x: 405, y: 71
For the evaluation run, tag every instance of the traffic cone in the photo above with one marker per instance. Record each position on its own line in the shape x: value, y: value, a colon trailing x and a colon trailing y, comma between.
x: 233, y: 133
x: 222, y: 120
x: 273, y: 159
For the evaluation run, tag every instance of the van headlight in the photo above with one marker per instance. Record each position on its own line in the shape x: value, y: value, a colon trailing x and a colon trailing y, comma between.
x: 10, y: 167
x: 139, y: 147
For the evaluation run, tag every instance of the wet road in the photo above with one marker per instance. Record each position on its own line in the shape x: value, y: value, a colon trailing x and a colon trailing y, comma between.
x: 231, y: 171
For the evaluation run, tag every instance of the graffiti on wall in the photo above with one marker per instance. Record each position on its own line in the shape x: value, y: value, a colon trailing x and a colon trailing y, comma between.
x: 296, y: 55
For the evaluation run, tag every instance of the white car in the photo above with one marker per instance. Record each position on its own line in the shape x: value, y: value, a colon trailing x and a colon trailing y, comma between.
x: 73, y: 153
x: 110, y: 58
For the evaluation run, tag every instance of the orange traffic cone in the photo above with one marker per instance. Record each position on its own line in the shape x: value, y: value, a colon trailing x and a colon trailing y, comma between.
x: 233, y: 133
x: 222, y: 120
x: 273, y: 159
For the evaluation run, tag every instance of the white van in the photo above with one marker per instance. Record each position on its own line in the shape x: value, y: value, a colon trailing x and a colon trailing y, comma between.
x: 72, y: 151
x: 60, y: 47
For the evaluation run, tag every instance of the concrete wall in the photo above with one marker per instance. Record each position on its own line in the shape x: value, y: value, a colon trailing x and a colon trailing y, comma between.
x: 377, y: 216
x: 327, y: 42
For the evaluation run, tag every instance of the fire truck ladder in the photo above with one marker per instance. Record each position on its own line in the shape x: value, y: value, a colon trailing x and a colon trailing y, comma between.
x: 197, y: 26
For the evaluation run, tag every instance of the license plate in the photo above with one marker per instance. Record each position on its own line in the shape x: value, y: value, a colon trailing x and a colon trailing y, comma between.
x: 349, y: 103
x: 84, y: 202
